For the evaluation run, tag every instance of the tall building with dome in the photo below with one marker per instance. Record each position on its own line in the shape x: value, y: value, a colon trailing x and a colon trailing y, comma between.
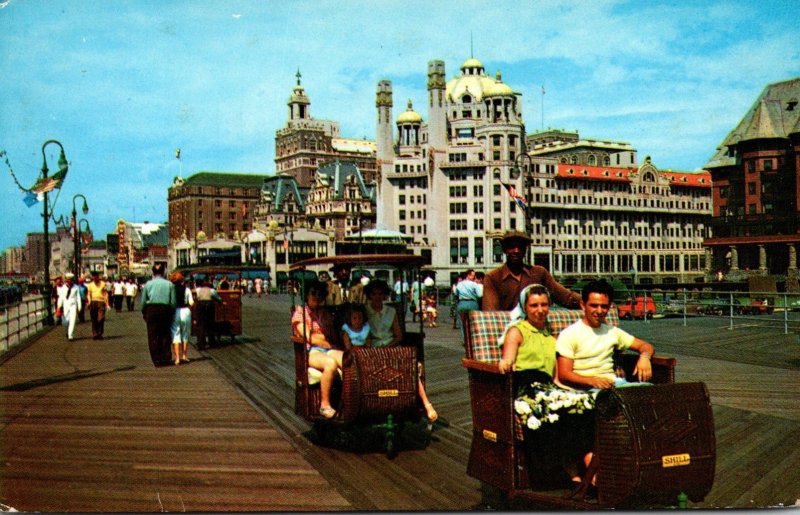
x: 472, y: 137
x: 447, y: 182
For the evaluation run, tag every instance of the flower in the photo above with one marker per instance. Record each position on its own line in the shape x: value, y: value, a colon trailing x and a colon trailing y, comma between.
x: 547, y: 403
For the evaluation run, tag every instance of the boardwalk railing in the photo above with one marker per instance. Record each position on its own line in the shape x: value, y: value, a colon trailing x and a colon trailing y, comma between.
x: 21, y: 320
x: 742, y: 308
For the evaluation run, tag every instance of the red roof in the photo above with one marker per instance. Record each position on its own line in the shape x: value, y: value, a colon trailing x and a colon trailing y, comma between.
x: 593, y: 173
x: 604, y: 173
x: 697, y: 180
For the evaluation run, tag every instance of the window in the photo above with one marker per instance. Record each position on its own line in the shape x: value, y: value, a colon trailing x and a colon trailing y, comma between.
x: 751, y: 188
x: 496, y: 206
x: 496, y: 155
x: 768, y: 164
x: 751, y: 166
x: 401, y: 200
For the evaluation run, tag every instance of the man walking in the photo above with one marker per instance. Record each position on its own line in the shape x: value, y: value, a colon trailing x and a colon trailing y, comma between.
x: 131, y: 289
x: 158, y: 308
x: 97, y: 296
x: 206, y: 314
x: 70, y: 305
x: 469, y: 294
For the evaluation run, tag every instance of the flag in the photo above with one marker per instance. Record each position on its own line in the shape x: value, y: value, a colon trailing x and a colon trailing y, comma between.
x: 285, y: 244
x: 542, y: 89
x: 30, y: 199
x: 516, y: 196
x: 244, y: 210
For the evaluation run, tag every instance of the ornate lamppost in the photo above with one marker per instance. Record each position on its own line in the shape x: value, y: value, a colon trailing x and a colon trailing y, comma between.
x: 76, y: 233
x: 79, y: 253
x: 516, y: 171
x: 63, y: 167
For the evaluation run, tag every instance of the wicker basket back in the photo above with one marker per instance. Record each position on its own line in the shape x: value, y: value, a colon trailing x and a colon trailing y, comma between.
x: 655, y: 442
x: 379, y: 381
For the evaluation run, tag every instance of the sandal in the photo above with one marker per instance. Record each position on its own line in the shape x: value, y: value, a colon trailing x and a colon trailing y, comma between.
x: 431, y: 413
x: 327, y: 412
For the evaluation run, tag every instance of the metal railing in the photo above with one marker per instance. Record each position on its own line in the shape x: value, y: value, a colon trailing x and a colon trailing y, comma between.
x: 762, y: 308
x: 21, y: 320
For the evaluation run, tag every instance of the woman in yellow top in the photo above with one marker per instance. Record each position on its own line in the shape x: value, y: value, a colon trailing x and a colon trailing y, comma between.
x: 552, y: 417
x: 529, y: 350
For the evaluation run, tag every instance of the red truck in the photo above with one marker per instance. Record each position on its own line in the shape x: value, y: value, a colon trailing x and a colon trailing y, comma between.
x: 637, y: 308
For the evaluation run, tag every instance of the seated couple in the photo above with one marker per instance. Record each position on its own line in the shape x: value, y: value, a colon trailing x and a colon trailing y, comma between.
x: 374, y: 325
x: 551, y: 374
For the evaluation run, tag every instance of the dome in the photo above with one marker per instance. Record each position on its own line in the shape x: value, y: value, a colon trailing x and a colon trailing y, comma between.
x: 499, y: 88
x: 409, y: 115
x: 201, y: 236
x: 473, y: 81
x: 472, y: 63
x: 475, y: 85
x: 298, y: 95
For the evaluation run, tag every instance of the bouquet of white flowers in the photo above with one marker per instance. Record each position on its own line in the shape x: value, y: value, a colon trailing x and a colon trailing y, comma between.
x: 546, y: 403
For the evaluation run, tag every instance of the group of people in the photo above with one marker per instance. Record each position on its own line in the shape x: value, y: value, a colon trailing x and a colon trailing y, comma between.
x: 580, y: 359
x: 74, y: 297
x: 367, y: 321
x: 166, y: 308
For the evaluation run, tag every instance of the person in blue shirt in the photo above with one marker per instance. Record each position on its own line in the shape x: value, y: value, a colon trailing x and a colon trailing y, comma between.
x: 158, y: 309
x: 469, y: 296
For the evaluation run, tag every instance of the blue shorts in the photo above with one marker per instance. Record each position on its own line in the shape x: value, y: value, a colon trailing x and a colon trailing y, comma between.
x: 318, y: 349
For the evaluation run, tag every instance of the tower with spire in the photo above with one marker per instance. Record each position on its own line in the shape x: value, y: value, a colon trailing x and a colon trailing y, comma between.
x: 438, y: 184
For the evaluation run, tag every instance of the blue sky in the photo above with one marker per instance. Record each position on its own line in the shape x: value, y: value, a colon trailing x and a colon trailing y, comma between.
x: 122, y: 84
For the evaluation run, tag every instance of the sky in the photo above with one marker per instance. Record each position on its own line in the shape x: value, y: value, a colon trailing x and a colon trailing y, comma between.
x: 122, y: 84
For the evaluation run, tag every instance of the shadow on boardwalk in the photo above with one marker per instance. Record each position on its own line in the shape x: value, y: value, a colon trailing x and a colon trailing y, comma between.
x: 92, y: 426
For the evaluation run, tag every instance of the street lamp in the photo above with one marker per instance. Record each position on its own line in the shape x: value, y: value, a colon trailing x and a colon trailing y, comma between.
x: 76, y: 232
x: 63, y: 167
x: 80, y: 232
x: 516, y: 171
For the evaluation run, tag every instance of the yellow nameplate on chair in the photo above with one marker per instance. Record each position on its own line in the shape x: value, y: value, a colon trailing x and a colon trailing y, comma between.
x: 489, y: 435
x: 675, y: 460
x: 388, y: 393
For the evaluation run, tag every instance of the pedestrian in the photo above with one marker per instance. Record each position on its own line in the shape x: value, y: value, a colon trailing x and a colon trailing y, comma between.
x: 59, y: 294
x: 83, y: 292
x: 182, y: 323
x: 469, y: 295
x: 70, y: 305
x: 131, y: 289
x: 118, y: 291
x: 158, y: 309
x: 503, y: 285
x: 258, y: 285
x: 97, y: 296
x: 206, y: 314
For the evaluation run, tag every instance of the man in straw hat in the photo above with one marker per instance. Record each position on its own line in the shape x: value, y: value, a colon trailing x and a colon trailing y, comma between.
x: 502, y: 286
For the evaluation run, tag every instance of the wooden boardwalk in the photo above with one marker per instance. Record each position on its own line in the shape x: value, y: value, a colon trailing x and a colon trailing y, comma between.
x: 92, y: 426
x: 145, y: 439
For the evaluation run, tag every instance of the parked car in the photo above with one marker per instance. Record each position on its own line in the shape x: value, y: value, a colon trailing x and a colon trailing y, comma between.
x: 758, y: 307
x: 637, y: 308
x: 717, y: 307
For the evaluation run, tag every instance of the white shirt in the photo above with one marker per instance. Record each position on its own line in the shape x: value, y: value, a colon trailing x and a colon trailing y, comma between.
x: 592, y: 350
